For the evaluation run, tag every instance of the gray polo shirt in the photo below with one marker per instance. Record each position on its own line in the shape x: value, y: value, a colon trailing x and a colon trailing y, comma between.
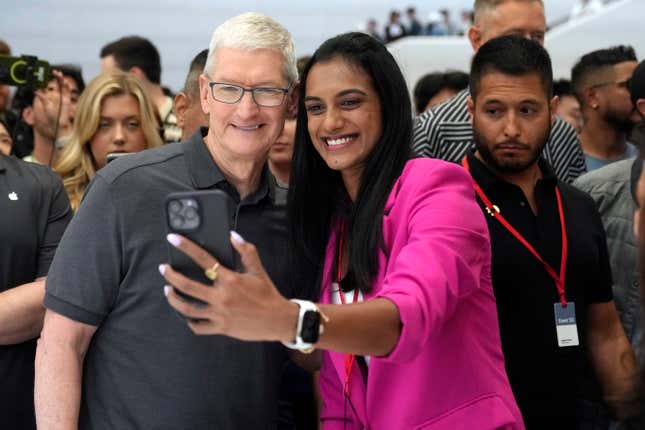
x: 144, y: 368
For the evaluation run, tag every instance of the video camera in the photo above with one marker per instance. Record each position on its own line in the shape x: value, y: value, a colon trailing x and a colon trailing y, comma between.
x: 26, y: 71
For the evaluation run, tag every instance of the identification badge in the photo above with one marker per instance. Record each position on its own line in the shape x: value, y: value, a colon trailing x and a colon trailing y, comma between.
x: 565, y: 324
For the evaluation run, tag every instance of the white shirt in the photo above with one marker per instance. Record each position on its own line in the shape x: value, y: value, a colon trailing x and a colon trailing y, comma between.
x: 348, y: 296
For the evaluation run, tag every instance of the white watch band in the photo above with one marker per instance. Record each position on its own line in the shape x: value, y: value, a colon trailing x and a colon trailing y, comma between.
x: 304, y: 306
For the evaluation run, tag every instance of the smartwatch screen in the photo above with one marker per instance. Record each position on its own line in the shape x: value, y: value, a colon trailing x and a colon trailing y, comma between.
x: 310, y: 327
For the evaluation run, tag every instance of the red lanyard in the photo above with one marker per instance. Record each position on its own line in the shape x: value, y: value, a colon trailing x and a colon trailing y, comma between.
x: 495, y: 213
x: 349, y: 358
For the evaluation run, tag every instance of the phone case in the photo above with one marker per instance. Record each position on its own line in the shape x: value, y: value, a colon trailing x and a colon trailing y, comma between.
x: 215, y: 212
x: 114, y: 155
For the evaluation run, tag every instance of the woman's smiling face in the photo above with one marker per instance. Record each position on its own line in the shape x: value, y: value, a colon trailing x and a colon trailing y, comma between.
x: 343, y: 114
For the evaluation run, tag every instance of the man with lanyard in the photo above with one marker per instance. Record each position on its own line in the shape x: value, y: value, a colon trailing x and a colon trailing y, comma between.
x: 550, y: 267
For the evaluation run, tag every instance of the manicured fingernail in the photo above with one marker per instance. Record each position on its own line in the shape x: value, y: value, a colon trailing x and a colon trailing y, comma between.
x: 166, y: 290
x: 174, y: 239
x: 237, y: 238
x: 162, y: 268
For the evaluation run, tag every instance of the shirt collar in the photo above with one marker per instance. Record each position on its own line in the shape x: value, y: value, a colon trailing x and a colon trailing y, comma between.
x: 205, y: 173
x: 487, y: 179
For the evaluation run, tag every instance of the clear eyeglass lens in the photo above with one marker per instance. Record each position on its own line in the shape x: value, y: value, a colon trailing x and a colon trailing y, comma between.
x: 227, y: 93
x: 262, y: 96
x: 268, y: 96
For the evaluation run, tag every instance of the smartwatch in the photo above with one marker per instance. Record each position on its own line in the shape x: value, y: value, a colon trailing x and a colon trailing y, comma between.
x: 309, y: 327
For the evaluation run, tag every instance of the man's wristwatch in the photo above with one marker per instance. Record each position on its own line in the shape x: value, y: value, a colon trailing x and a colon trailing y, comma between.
x: 309, y: 326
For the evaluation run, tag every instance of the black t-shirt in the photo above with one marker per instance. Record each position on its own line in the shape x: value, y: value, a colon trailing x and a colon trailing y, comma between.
x: 34, y: 211
x: 546, y: 379
x: 144, y: 367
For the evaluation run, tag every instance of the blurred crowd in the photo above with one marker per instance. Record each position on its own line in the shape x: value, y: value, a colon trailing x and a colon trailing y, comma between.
x: 441, y: 22
x: 437, y: 23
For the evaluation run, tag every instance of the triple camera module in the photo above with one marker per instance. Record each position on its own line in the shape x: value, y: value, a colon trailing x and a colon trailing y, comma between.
x: 183, y: 214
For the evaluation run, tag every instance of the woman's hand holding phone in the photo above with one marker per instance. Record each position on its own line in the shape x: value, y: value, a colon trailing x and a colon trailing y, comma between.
x: 246, y: 306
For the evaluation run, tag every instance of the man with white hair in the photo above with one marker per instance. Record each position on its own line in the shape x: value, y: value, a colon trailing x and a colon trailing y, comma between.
x: 445, y: 132
x: 112, y: 353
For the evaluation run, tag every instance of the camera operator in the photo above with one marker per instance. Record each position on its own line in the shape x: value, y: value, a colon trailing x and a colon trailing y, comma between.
x: 47, y: 114
x: 35, y: 212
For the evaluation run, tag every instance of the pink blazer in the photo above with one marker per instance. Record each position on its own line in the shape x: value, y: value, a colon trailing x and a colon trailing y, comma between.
x: 447, y: 370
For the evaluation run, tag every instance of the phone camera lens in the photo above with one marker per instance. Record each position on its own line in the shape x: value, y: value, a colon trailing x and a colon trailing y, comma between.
x: 176, y: 222
x: 190, y: 213
x: 174, y: 207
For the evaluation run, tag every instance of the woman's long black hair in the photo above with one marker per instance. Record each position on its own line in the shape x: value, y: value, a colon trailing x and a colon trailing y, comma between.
x: 317, y: 193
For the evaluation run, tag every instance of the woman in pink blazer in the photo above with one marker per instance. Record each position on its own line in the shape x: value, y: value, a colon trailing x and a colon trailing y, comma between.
x: 395, y: 250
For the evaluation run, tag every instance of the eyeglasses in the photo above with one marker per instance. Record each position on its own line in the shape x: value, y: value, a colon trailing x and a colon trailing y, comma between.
x: 263, y: 96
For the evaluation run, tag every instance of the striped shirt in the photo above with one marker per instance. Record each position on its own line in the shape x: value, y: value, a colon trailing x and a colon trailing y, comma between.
x: 445, y: 132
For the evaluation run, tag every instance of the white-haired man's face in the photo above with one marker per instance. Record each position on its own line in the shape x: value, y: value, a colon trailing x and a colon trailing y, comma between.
x: 245, y: 129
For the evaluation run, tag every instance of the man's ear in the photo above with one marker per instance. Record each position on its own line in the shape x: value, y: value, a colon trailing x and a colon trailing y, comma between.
x: 179, y: 106
x: 136, y: 71
x: 28, y: 115
x: 554, y: 103
x: 640, y: 106
x: 470, y: 103
x: 475, y: 37
x: 203, y: 93
x: 590, y: 98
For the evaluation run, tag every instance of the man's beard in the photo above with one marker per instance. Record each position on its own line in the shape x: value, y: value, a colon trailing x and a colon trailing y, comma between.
x: 622, y: 123
x: 510, y: 166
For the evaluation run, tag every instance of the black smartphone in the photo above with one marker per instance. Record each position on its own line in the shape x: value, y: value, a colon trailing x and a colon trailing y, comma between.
x: 204, y: 218
x: 114, y: 155
x: 24, y: 71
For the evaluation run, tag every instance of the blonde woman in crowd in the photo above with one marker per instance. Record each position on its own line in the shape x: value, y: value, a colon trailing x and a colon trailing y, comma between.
x: 114, y: 115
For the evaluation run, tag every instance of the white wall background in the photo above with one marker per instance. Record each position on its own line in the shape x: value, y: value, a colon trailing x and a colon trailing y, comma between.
x: 75, y: 30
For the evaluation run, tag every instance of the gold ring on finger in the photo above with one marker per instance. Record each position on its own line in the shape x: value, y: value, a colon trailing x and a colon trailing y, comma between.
x: 211, y: 272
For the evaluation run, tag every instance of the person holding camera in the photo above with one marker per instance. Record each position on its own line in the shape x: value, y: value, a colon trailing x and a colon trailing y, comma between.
x: 47, y: 114
x: 112, y: 353
x: 114, y: 116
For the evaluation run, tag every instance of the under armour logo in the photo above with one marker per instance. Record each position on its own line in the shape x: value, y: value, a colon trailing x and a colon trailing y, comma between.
x: 13, y: 196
